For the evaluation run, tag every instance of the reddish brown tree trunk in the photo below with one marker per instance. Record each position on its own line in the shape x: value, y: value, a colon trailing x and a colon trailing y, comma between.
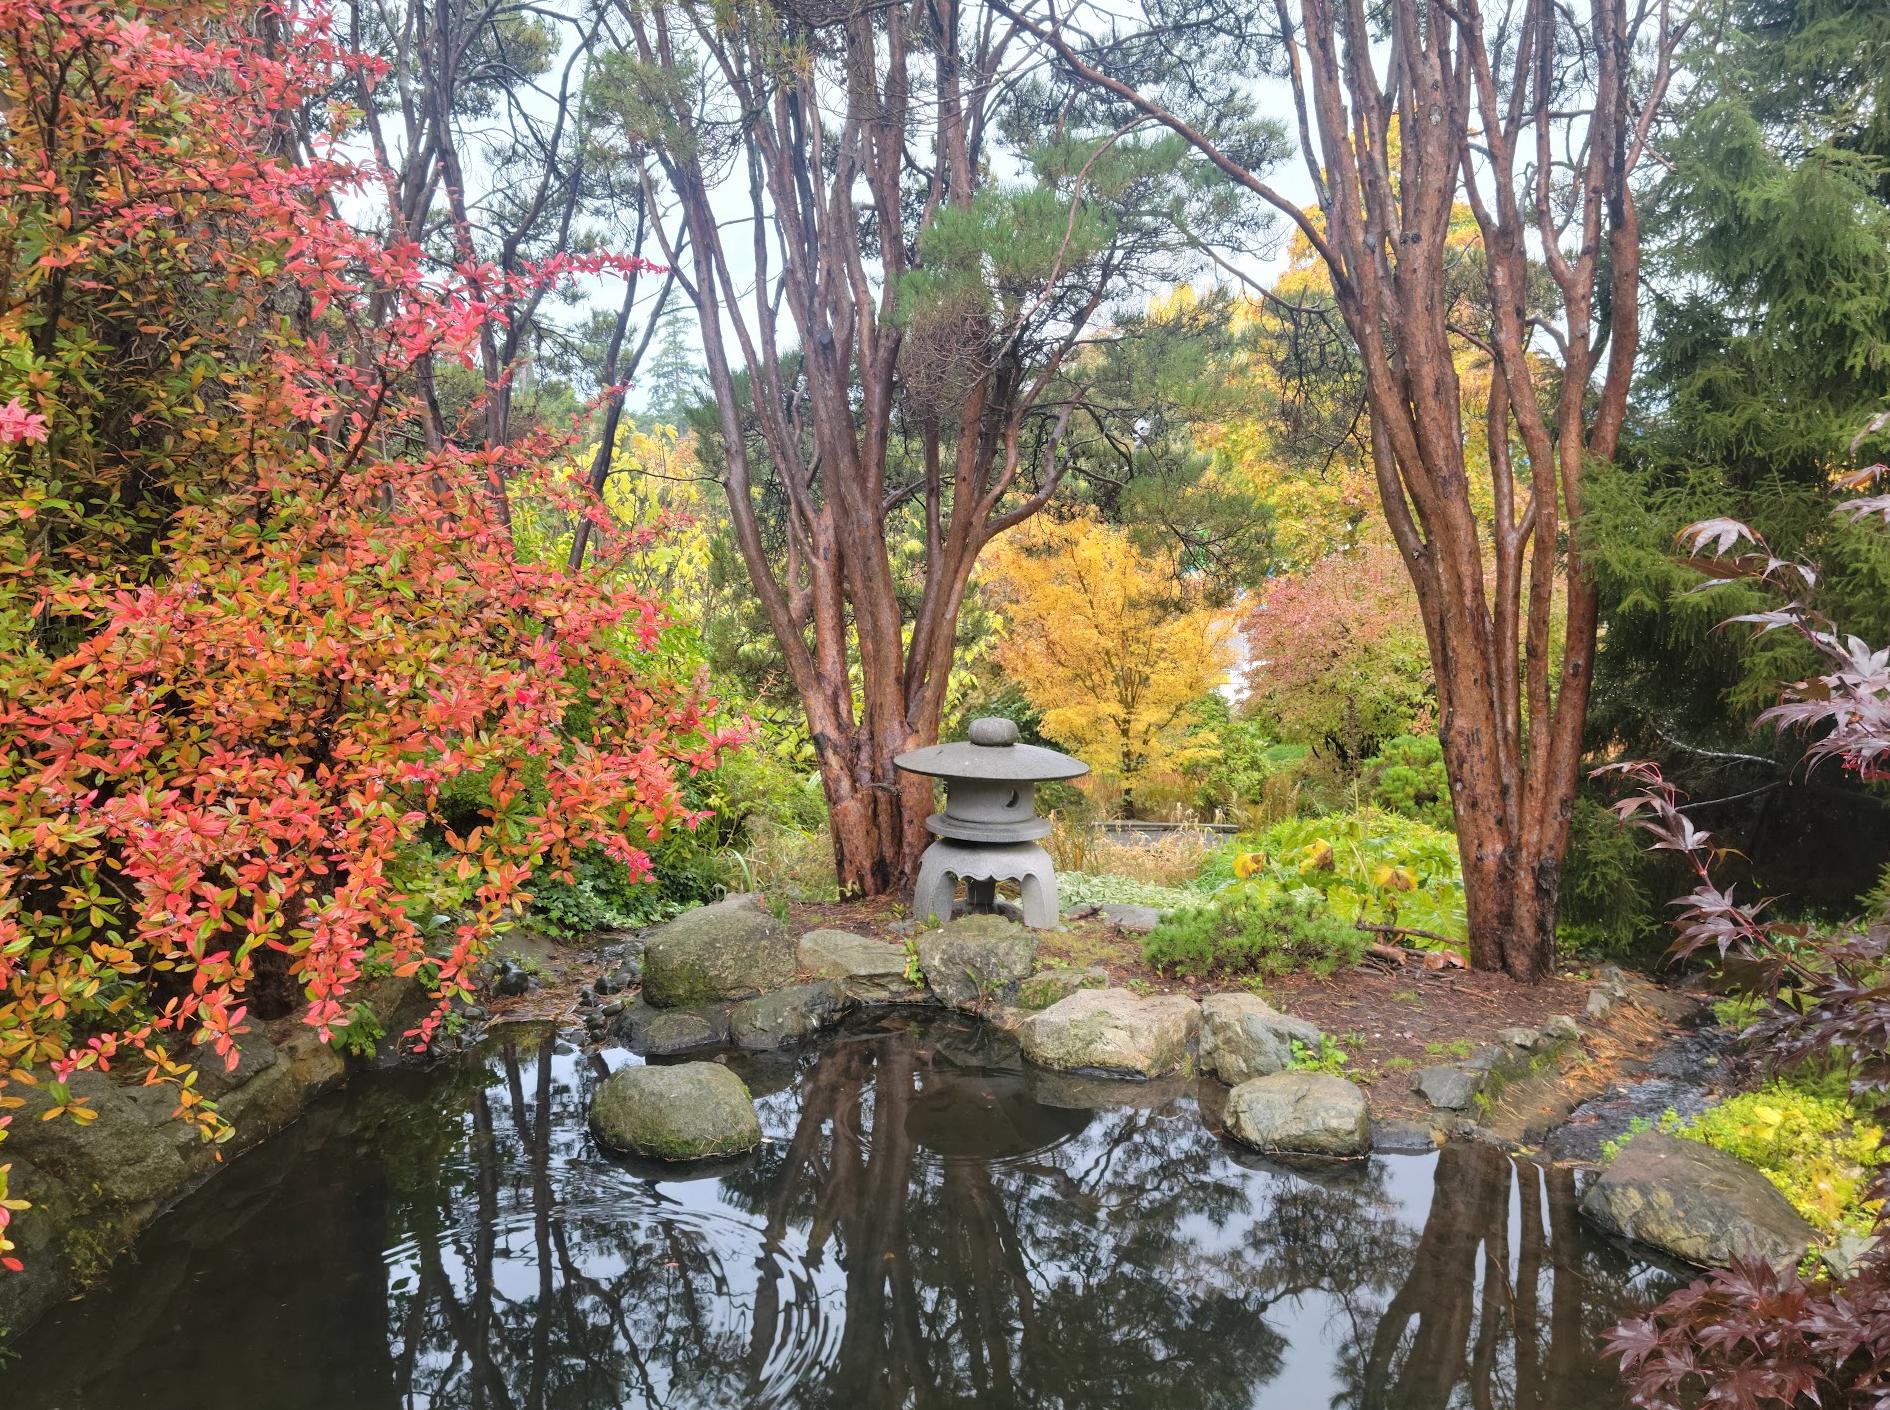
x: 829, y: 172
x: 1399, y: 138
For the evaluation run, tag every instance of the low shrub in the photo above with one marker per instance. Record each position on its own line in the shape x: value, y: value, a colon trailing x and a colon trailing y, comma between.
x: 784, y: 860
x: 1819, y: 1150
x: 602, y: 895
x: 763, y: 827
x: 1246, y: 929
x: 1366, y: 866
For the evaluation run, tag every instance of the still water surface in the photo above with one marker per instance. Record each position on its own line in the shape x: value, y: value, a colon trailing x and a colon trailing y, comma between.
x: 930, y: 1224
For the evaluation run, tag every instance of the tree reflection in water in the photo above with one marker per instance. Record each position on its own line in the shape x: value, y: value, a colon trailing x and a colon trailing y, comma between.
x: 930, y: 1225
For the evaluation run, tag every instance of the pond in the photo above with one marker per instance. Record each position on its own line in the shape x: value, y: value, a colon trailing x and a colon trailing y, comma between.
x: 928, y: 1224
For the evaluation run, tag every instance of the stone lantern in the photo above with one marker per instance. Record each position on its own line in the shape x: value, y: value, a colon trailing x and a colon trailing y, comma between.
x: 988, y: 832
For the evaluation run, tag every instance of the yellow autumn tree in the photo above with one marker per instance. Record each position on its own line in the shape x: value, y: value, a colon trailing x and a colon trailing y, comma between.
x: 654, y: 482
x: 1096, y: 638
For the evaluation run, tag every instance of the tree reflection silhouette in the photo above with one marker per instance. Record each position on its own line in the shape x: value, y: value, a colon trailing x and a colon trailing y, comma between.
x: 931, y: 1225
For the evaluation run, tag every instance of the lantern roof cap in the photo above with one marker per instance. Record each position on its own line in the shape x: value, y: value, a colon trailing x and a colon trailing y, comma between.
x: 991, y: 753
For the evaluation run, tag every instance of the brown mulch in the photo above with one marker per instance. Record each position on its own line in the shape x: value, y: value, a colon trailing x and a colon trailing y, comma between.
x: 1415, y: 1016
x: 869, y: 917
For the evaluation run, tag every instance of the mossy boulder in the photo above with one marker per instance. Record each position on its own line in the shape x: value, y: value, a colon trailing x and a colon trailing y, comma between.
x: 132, y: 1154
x: 977, y: 961
x: 733, y: 949
x: 1696, y: 1203
x: 1448, y: 1086
x: 1049, y: 986
x: 1300, y: 1113
x: 790, y: 1015
x: 691, y: 1111
x: 1243, y: 1037
x: 1112, y: 1031
x: 663, y: 1032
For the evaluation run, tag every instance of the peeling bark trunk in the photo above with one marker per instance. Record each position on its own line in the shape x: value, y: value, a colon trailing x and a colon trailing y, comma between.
x: 1406, y: 120
x: 825, y: 188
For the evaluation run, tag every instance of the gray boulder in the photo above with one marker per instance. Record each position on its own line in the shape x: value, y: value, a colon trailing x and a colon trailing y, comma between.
x: 45, y: 1280
x: 840, y: 954
x: 262, y: 1106
x: 977, y: 961
x: 1695, y: 1203
x: 1047, y: 986
x: 1301, y: 1113
x: 1243, y: 1036
x: 733, y: 949
x: 1136, y: 920
x: 255, y: 1054
x: 1395, y: 1137
x: 1561, y: 1028
x: 790, y: 1015
x: 1111, y: 1030
x: 130, y: 1155
x: 1448, y: 1087
x: 687, y: 1112
x: 662, y: 1032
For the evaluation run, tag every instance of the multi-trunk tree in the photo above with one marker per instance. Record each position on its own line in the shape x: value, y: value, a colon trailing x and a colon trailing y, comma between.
x: 902, y: 244
x: 1534, y: 115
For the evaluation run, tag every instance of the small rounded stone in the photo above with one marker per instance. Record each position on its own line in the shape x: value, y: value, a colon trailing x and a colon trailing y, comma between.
x: 993, y: 731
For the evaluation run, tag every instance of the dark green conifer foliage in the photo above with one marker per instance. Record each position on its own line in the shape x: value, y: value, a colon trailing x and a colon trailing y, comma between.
x: 1768, y: 266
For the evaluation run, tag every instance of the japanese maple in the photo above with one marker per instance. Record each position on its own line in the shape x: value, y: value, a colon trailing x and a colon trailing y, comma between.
x: 1753, y: 1338
x: 257, y: 625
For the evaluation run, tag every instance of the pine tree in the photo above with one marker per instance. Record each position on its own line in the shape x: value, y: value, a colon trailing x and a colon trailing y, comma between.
x: 1769, y: 265
x: 672, y: 380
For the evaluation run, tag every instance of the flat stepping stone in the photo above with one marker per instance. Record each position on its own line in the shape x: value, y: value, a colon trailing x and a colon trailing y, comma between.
x: 790, y: 1015
x: 840, y: 954
x: 1136, y: 920
x: 663, y: 1032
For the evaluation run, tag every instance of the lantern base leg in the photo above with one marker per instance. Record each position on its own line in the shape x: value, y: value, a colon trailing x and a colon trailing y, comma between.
x: 946, y: 863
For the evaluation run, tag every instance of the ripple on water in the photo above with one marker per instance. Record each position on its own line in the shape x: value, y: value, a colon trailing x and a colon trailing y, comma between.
x: 926, y: 1222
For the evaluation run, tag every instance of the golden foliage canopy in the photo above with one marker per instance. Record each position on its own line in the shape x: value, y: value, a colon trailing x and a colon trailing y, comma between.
x: 1096, y: 639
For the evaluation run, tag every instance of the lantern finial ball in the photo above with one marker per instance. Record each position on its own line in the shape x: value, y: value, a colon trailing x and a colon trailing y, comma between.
x: 993, y: 731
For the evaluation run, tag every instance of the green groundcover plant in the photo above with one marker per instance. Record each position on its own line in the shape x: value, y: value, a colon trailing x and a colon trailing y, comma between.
x: 1820, y: 1151
x: 1251, y: 929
